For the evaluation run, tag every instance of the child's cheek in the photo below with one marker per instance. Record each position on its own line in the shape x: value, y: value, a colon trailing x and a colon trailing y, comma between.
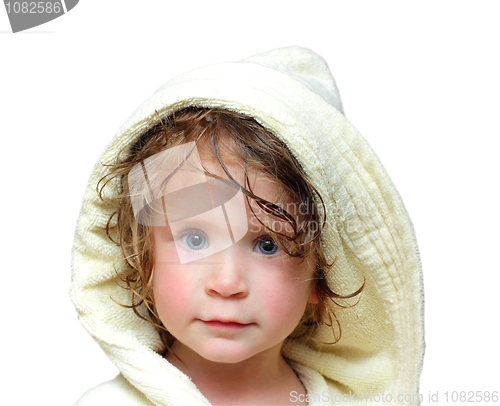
x: 285, y: 302
x: 173, y: 293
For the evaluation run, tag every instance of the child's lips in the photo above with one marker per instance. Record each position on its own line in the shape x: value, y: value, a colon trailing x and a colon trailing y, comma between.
x: 226, y: 325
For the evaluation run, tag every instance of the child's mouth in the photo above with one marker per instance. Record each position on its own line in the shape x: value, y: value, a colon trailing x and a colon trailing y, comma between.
x: 225, y: 325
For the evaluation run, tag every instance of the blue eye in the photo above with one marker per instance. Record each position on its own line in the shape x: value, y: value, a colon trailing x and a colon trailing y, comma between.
x: 194, y: 240
x: 267, y: 246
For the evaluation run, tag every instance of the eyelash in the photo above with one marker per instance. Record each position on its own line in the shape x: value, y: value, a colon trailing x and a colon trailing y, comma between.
x: 188, y: 232
x: 267, y: 238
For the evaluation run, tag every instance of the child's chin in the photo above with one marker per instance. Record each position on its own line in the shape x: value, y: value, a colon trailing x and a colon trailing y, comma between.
x: 227, y: 356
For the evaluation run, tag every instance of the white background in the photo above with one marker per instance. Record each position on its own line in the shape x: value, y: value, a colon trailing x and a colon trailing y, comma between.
x: 420, y: 80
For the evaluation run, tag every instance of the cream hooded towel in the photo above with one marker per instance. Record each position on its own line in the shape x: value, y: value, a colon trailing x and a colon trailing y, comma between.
x: 291, y: 92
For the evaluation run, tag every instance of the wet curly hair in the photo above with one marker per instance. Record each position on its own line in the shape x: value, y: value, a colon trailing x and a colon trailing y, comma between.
x: 256, y: 148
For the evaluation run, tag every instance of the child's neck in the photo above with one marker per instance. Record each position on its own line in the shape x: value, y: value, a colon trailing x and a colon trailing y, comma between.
x: 264, y: 379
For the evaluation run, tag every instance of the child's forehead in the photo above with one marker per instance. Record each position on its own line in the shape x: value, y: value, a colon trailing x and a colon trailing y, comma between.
x: 261, y: 183
x: 190, y: 179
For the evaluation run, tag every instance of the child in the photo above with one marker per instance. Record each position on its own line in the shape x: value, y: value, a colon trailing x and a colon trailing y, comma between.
x: 243, y: 245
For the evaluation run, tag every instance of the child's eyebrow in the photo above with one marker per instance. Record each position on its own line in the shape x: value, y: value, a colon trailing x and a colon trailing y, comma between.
x: 193, y: 223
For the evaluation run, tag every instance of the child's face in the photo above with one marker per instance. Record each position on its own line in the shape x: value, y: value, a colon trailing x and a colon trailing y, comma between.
x: 236, y: 303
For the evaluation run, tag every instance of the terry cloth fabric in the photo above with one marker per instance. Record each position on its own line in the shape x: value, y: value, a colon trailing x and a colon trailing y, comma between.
x: 292, y: 93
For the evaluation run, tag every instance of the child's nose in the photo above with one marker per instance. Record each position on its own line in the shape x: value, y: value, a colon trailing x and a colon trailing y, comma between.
x: 227, y: 279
